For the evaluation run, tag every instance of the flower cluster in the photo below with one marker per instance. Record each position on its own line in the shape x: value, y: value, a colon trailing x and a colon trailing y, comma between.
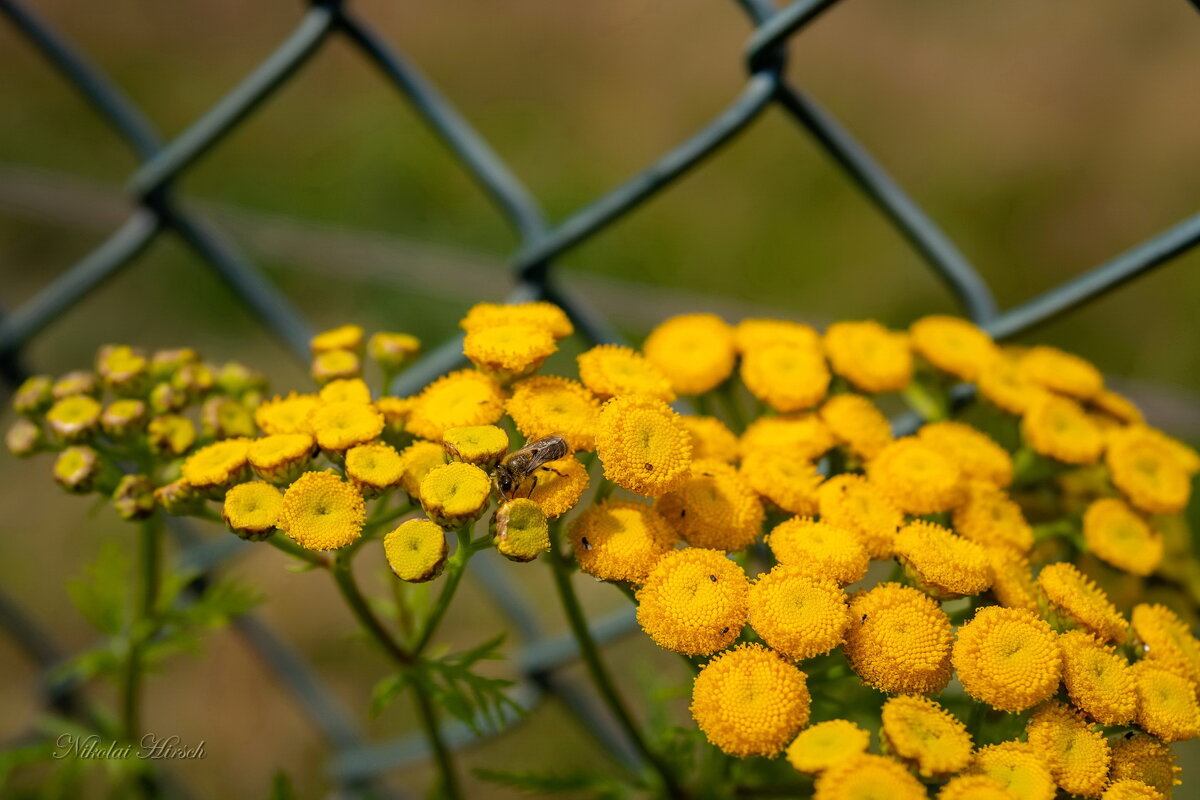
x: 796, y: 549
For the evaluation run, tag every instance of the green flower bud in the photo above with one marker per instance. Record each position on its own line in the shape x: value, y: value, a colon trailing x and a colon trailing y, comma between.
x: 171, y: 435
x: 123, y: 369
x: 34, y: 395
x: 77, y: 382
x: 77, y: 469
x: 123, y: 418
x: 134, y: 497
x: 393, y: 351
x: 223, y: 418
x: 24, y: 438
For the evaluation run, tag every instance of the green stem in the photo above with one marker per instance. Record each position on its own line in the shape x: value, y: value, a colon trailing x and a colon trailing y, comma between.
x: 455, y: 568
x: 928, y: 401
x: 343, y: 576
x: 142, y: 627
x: 441, y: 753
x: 599, y: 673
x: 727, y: 391
x: 286, y: 545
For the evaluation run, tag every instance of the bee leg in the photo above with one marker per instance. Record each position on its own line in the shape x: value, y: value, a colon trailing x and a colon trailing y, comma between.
x: 556, y: 472
x: 532, y: 486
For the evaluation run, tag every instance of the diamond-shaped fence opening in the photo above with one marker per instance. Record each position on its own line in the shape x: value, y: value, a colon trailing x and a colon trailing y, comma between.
x: 356, y: 761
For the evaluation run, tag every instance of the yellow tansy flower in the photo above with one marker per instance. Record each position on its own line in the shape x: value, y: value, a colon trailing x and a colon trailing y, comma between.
x: 559, y: 486
x: 1117, y: 407
x: 1148, y: 471
x: 711, y: 439
x: 416, y: 550
x: 395, y: 411
x: 345, y: 337
x: 133, y: 498
x: 1077, y: 755
x: 481, y: 445
x: 611, y: 370
x: 251, y: 510
x: 340, y: 426
x: 322, y: 512
x: 122, y: 368
x: 286, y: 414
x: 820, y: 549
x: 76, y: 469
x: 24, y: 438
x: 374, y: 467
x: 333, y: 365
x: 511, y: 351
x: 946, y: 566
x: 171, y: 435
x: 750, y: 702
x: 281, y: 457
x: 820, y: 746
x: 694, y: 351
x: 345, y: 390
x: 643, y: 445
x: 1166, y: 639
x: 74, y: 417
x: 898, y: 640
x: 620, y: 541
x: 1136, y: 756
x: 520, y: 531
x: 462, y: 398
x: 694, y: 601
x: 752, y: 334
x: 419, y: 458
x: 786, y: 481
x: 1006, y: 386
x: 539, y: 314
x: 797, y: 614
x: 868, y: 355
x: 34, y: 395
x: 916, y: 477
x: 714, y: 508
x: 123, y: 417
x: 786, y: 377
x: 455, y: 494
x: 1008, y: 658
x: 549, y: 405
x: 223, y: 418
x: 953, y: 345
x: 1166, y: 702
x: 1082, y: 601
x: 78, y: 381
x: 1062, y: 372
x: 849, y: 501
x: 393, y: 351
x: 1015, y: 766
x: 1116, y: 534
x: 1058, y: 428
x: 1130, y: 790
x: 858, y: 424
x: 990, y: 518
x: 974, y: 787
x: 1098, y: 680
x: 867, y: 777
x: 977, y: 455
x: 802, y: 436
x: 1012, y: 579
x: 217, y: 466
x: 918, y: 730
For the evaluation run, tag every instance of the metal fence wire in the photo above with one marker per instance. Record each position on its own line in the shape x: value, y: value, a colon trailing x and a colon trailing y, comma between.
x: 356, y: 763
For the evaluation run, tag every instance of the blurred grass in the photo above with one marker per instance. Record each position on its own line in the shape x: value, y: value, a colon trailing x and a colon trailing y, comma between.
x: 1044, y: 137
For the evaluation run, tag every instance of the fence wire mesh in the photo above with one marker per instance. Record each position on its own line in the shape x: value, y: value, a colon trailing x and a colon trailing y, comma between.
x: 356, y: 762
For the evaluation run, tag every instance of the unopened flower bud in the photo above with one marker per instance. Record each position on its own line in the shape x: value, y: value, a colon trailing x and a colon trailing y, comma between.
x: 75, y: 417
x: 334, y: 364
x: 77, y: 468
x: 395, y: 412
x: 77, y: 382
x: 194, y: 380
x: 123, y: 418
x: 165, y: 363
x: 416, y: 550
x: 171, y: 435
x: 520, y: 531
x: 123, y: 369
x: 24, y: 438
x: 165, y: 398
x: 224, y: 418
x: 134, y: 497
x: 178, y: 498
x: 393, y: 351
x: 346, y: 337
x: 34, y: 396
x: 235, y: 380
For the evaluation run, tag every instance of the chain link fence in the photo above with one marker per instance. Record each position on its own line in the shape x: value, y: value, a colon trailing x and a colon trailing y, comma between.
x: 356, y: 762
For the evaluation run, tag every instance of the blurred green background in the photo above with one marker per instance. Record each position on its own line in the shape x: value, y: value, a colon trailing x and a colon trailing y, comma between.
x: 1044, y: 137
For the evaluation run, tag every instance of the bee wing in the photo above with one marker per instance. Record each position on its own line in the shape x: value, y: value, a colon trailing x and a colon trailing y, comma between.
x: 543, y: 451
